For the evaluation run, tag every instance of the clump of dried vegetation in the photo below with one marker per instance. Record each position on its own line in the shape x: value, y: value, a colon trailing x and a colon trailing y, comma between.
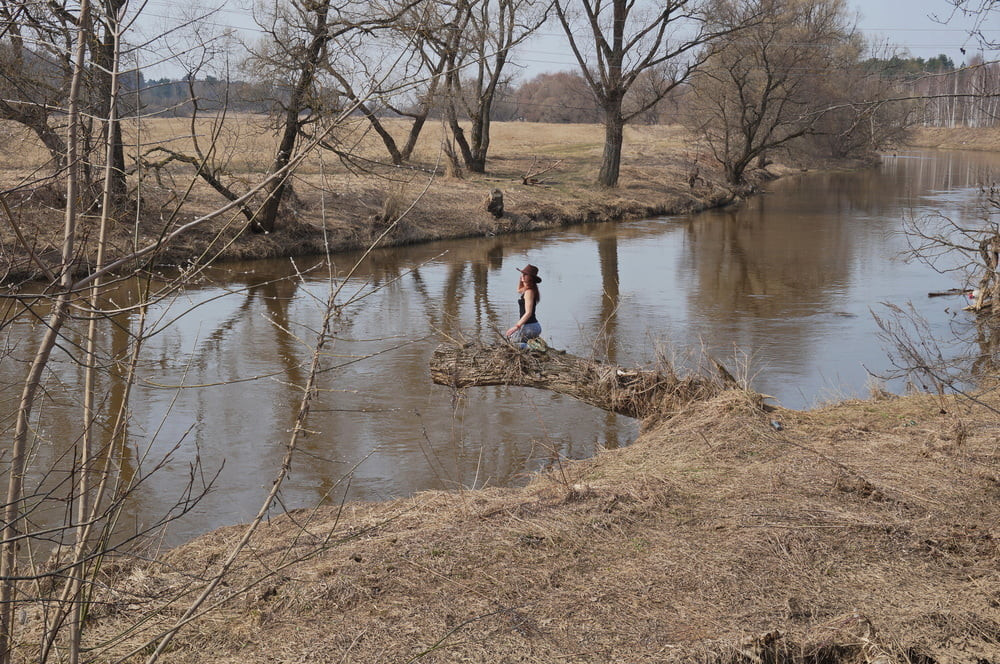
x: 650, y: 394
x: 860, y: 532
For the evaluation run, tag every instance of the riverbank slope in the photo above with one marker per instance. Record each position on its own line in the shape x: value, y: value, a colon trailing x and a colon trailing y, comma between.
x: 867, y: 531
x: 956, y: 138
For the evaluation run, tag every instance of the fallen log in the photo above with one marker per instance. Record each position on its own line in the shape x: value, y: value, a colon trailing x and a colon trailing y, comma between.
x: 637, y: 393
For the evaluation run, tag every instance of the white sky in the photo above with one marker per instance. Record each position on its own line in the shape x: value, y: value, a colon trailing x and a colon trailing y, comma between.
x: 904, y: 24
x: 910, y: 25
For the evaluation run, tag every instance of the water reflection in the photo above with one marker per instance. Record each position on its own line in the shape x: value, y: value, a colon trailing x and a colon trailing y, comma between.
x: 987, y: 360
x: 789, y: 278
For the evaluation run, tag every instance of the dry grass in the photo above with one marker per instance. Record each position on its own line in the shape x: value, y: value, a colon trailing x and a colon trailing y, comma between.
x: 862, y: 532
x: 959, y: 138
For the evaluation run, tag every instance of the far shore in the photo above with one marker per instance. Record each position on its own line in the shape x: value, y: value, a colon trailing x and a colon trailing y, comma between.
x: 545, y: 172
x: 546, y: 182
x: 985, y: 139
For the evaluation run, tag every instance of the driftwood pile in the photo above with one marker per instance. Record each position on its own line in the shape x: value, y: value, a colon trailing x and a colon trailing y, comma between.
x: 638, y: 393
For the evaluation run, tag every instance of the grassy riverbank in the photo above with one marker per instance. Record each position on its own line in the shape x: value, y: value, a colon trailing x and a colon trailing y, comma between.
x: 338, y: 208
x: 861, y: 532
x: 959, y: 138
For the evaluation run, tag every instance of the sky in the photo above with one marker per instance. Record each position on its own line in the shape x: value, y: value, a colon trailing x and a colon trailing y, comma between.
x: 908, y: 25
x: 911, y: 25
x: 923, y: 28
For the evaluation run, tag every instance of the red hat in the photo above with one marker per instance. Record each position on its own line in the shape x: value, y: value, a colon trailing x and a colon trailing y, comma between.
x: 531, y: 271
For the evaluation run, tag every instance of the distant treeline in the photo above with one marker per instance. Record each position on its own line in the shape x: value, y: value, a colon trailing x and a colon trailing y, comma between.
x: 167, y: 96
x: 910, y: 68
x: 948, y: 96
x: 560, y: 97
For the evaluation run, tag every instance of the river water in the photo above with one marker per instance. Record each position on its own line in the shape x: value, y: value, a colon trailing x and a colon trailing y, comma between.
x: 779, y: 289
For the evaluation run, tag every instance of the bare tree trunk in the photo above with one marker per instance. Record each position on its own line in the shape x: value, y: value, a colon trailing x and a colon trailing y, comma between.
x: 387, y: 139
x: 614, y: 131
x: 111, y: 198
x: 420, y: 118
x: 107, y: 100
x: 480, y: 143
x: 954, y: 100
x: 413, y: 135
x: 390, y: 143
x: 267, y: 219
x: 459, y: 135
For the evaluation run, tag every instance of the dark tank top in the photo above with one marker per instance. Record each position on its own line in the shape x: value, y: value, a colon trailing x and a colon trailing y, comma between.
x: 520, y: 306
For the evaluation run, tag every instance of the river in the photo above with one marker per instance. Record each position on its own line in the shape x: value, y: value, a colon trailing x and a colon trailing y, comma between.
x: 780, y: 289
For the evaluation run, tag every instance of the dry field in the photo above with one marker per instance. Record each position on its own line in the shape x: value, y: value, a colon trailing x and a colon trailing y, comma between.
x: 337, y: 206
x: 865, y: 532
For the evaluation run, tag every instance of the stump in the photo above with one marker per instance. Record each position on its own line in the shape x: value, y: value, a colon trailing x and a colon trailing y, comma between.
x: 494, y: 203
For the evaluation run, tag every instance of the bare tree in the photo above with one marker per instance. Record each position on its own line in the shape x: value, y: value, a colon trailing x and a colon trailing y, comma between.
x: 965, y: 361
x: 624, y: 40
x: 479, y: 54
x: 416, y: 61
x: 107, y: 53
x: 298, y: 46
x: 14, y: 506
x: 33, y: 80
x: 95, y: 488
x: 968, y: 250
x: 864, y: 112
x: 764, y: 87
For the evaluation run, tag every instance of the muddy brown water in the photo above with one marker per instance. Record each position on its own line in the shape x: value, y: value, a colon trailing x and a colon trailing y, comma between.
x: 779, y: 289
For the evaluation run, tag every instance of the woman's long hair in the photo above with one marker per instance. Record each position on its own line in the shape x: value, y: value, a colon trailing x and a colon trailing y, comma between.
x: 521, y: 287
